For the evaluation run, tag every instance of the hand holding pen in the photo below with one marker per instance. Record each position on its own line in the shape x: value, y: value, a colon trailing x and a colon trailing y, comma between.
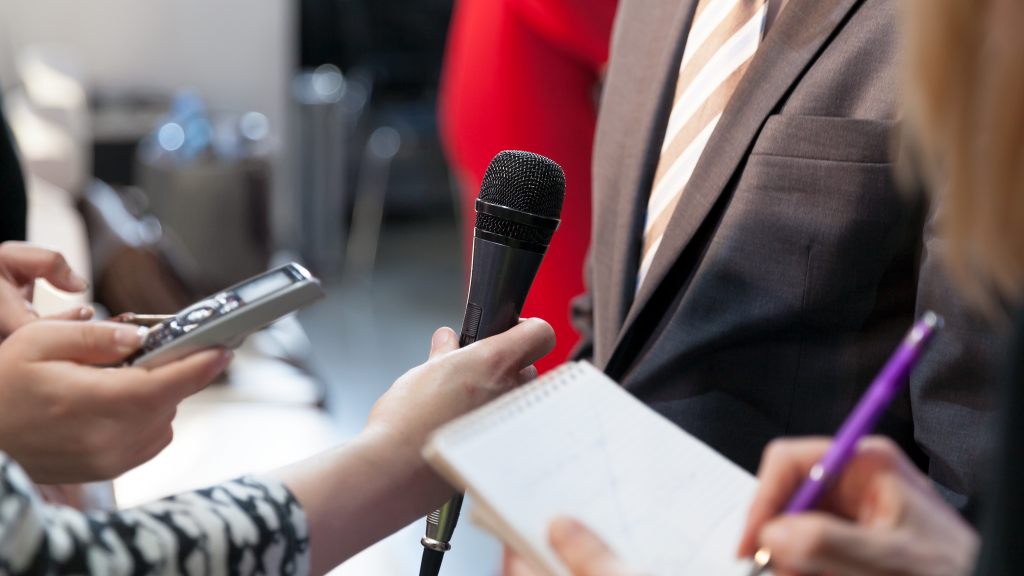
x: 881, y: 516
x: 835, y: 457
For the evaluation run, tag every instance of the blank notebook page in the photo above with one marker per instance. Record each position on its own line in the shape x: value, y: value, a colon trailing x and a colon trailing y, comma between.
x: 575, y: 443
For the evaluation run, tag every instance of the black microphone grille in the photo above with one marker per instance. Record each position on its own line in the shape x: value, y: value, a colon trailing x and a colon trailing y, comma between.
x: 526, y: 182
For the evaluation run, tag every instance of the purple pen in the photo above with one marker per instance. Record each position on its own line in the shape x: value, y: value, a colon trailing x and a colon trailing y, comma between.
x: 860, y: 422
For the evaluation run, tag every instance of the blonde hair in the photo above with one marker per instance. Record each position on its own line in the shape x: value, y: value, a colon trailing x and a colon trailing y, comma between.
x: 965, y: 97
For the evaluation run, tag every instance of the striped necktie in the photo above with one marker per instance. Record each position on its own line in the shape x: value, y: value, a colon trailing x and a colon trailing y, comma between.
x: 722, y: 41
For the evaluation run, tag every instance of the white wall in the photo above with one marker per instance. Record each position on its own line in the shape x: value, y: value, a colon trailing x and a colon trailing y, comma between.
x: 237, y: 53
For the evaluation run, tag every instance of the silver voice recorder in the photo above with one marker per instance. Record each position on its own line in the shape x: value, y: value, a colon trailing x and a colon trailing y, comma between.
x: 228, y: 317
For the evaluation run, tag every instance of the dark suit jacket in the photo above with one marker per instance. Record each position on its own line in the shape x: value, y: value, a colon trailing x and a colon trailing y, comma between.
x: 792, y: 265
x: 1002, y: 535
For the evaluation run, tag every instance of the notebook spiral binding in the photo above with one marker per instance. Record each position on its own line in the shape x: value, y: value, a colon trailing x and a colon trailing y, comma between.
x: 512, y: 403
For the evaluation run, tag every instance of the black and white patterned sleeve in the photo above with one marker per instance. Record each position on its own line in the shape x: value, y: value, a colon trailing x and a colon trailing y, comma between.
x: 249, y: 526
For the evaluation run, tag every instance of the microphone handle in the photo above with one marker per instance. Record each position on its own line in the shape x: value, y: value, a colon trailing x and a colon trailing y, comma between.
x: 499, y: 283
x: 440, y: 527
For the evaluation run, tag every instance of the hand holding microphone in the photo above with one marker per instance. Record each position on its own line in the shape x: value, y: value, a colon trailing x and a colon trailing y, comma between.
x: 517, y: 214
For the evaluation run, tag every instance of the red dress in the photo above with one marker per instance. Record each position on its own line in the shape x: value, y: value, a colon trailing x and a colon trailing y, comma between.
x: 522, y: 75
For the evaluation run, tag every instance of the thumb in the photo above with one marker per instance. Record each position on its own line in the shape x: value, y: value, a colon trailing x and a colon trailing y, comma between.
x: 444, y: 341
x: 82, y: 342
x: 816, y: 543
x: 518, y: 347
x: 582, y: 551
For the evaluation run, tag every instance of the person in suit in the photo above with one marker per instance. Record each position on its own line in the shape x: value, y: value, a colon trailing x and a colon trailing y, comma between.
x: 753, y: 261
x: 882, y: 516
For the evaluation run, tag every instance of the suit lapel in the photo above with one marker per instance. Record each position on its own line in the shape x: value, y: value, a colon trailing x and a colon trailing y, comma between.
x: 796, y: 39
x: 659, y: 27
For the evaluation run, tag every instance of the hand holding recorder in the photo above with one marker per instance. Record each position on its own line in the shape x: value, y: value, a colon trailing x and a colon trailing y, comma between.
x: 62, y: 418
x: 66, y: 420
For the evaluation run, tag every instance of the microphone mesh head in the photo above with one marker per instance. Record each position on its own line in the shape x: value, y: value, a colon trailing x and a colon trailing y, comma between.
x: 526, y: 182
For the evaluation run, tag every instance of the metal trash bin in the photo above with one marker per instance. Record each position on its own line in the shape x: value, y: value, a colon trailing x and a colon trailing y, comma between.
x: 207, y: 177
x: 329, y: 108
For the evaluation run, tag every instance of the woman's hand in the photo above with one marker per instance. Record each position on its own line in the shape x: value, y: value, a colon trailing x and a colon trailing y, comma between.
x: 20, y: 265
x: 378, y: 482
x: 65, y: 421
x: 454, y: 381
x: 881, y: 516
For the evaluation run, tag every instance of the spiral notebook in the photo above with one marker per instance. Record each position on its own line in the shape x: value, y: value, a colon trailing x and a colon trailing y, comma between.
x: 575, y: 443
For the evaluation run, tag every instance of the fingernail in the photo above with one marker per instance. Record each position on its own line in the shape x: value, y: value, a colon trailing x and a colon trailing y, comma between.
x: 440, y: 337
x: 224, y: 359
x: 129, y: 337
x: 564, y: 529
x: 76, y: 282
x: 86, y: 312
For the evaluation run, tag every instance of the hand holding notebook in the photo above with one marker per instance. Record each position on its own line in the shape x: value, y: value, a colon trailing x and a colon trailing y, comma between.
x: 574, y: 443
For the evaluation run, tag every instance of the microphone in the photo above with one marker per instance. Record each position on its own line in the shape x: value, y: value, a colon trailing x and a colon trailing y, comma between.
x: 517, y: 213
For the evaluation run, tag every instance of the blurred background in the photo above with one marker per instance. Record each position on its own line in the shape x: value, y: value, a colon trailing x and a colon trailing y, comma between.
x: 175, y: 147
x: 172, y: 148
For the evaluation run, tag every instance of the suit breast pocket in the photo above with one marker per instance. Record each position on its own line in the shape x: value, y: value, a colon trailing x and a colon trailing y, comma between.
x: 829, y: 139
x: 826, y: 184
